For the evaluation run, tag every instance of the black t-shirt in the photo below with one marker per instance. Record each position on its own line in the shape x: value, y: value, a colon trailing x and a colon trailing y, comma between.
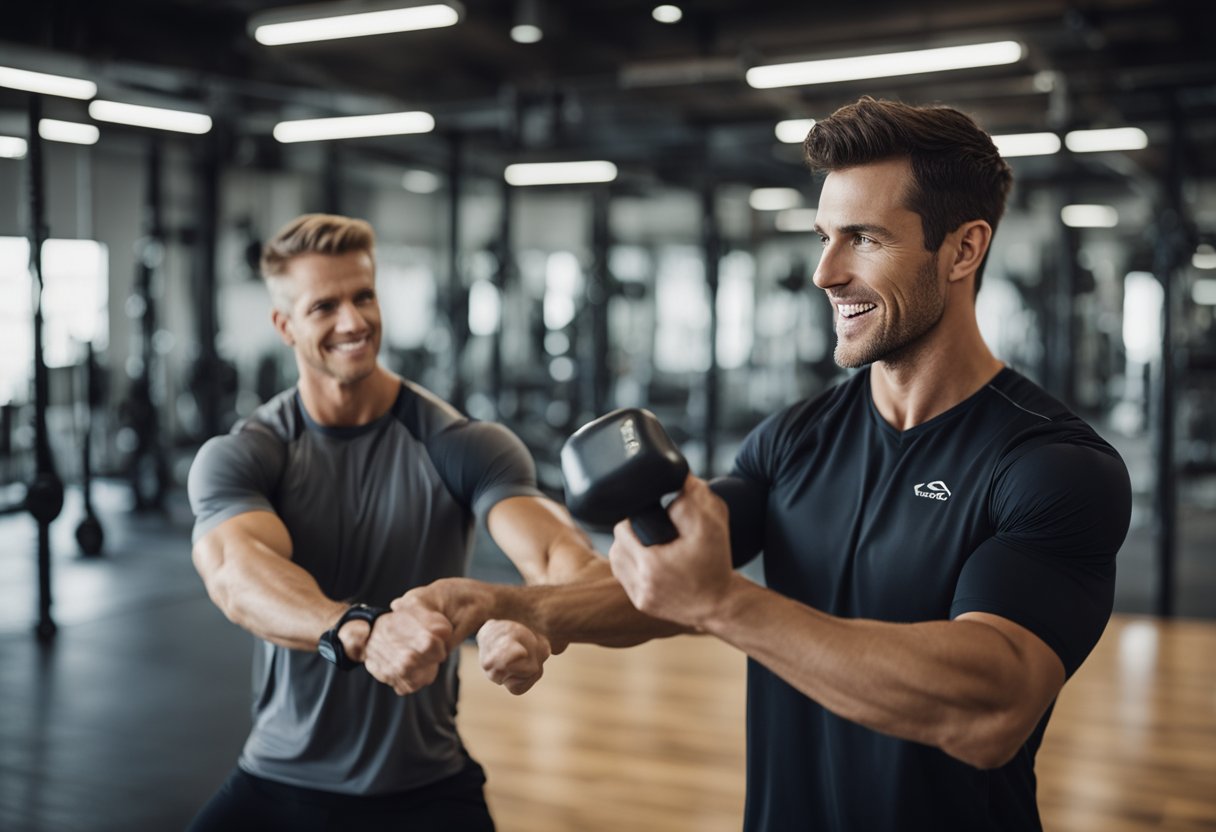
x: 1007, y: 504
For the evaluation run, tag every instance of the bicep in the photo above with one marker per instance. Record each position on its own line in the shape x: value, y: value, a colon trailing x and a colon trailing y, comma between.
x: 253, y: 533
x: 1049, y: 567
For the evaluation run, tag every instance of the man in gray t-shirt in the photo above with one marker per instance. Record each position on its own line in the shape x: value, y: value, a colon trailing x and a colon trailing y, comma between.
x: 312, y: 515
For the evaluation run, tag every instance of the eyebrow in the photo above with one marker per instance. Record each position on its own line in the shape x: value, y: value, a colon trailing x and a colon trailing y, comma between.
x: 859, y: 228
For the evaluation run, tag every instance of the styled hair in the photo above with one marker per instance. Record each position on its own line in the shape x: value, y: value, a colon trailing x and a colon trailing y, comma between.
x: 958, y: 175
x: 315, y: 234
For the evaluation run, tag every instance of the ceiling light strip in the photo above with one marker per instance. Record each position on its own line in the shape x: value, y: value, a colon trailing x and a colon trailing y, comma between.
x: 1089, y: 216
x: 1097, y: 141
x: 72, y: 132
x: 354, y: 127
x: 885, y: 66
x: 12, y: 147
x: 156, y: 118
x: 560, y: 173
x: 1027, y: 144
x: 774, y: 199
x: 794, y: 130
x: 41, y: 82
x: 363, y: 24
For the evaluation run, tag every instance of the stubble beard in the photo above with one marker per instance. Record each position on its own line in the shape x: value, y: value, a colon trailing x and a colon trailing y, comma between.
x: 927, y: 306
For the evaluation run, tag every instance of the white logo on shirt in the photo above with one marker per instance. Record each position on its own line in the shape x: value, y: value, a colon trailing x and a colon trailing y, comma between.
x: 935, y: 490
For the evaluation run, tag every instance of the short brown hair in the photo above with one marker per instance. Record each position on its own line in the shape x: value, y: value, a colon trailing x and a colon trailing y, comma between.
x: 315, y: 234
x: 958, y: 175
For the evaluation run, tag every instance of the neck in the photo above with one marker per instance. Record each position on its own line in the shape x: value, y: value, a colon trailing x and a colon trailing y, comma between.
x: 945, y: 367
x: 334, y: 403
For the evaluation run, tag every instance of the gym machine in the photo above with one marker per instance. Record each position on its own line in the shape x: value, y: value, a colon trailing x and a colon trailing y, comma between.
x: 89, y: 534
x: 44, y: 495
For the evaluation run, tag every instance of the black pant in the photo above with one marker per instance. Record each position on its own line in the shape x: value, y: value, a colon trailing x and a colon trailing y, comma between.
x: 246, y: 802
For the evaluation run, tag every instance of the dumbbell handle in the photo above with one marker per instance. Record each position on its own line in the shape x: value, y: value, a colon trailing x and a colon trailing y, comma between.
x: 653, y: 526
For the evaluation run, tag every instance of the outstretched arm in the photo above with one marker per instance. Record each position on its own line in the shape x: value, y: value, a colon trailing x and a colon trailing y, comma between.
x: 975, y: 686
x: 572, y: 596
x: 246, y: 565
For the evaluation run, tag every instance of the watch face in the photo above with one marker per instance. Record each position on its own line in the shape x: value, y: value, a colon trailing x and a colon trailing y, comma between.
x: 327, y: 651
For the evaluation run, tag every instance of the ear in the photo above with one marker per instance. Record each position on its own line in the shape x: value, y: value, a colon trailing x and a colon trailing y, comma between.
x: 970, y: 244
x: 282, y: 325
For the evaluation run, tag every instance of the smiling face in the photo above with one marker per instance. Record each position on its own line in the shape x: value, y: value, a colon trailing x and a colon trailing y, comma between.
x: 887, y: 292
x: 326, y: 310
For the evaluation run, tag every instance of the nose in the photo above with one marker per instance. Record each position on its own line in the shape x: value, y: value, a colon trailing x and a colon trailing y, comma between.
x: 350, y: 319
x: 831, y: 270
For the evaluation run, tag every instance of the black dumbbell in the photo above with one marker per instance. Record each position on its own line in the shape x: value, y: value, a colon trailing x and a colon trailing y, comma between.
x: 622, y: 465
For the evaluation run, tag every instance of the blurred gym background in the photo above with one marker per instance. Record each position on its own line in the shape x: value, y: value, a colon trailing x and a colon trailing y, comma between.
x: 671, y: 272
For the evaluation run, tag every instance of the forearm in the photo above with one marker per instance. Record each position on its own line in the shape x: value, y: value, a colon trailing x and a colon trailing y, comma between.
x: 595, y: 611
x: 951, y: 684
x: 270, y: 596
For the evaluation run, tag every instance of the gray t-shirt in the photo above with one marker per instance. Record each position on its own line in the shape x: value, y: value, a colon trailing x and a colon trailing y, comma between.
x: 372, y: 511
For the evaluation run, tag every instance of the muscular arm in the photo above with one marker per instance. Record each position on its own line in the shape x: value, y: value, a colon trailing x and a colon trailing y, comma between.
x: 541, y: 539
x: 572, y: 595
x: 245, y: 563
x: 975, y: 687
x: 547, y: 547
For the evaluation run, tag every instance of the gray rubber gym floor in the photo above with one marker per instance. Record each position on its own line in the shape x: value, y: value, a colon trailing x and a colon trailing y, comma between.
x: 135, y: 713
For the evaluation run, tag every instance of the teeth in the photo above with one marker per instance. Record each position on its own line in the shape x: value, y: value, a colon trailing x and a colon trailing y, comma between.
x: 349, y: 346
x: 849, y: 310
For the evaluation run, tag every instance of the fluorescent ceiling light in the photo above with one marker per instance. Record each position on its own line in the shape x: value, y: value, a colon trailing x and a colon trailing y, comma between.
x: 40, y: 82
x: 526, y: 33
x: 1027, y: 144
x: 354, y: 127
x: 560, y: 173
x: 667, y: 14
x: 1097, y: 141
x: 157, y: 118
x: 796, y: 219
x: 794, y: 130
x: 1204, y: 292
x: 1089, y: 216
x: 325, y: 23
x: 54, y: 130
x: 420, y: 181
x: 1204, y: 257
x: 885, y: 66
x: 12, y: 147
x: 774, y: 199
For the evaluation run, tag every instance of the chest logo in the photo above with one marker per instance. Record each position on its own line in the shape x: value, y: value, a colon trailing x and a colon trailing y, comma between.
x: 935, y: 490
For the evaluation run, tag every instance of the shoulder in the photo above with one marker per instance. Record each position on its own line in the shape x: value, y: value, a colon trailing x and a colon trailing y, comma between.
x: 424, y: 414
x: 258, y: 441
x: 1064, y: 482
x: 1022, y: 398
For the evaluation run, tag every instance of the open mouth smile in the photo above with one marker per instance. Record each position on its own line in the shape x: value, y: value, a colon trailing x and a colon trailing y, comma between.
x: 853, y: 310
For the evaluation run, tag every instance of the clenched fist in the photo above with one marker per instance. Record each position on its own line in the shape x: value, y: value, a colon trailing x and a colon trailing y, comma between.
x: 512, y: 655
x: 407, y: 646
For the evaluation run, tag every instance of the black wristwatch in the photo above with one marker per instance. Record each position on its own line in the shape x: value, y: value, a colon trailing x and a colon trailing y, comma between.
x: 330, y: 646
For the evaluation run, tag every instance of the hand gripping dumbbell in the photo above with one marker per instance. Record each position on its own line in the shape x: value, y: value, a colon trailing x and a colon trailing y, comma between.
x: 621, y: 465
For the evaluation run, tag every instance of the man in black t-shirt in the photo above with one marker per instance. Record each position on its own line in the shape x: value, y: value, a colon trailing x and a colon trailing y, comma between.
x: 939, y: 534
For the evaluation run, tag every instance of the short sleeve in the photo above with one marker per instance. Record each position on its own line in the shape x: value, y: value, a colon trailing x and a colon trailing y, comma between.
x: 747, y: 487
x: 1061, y: 512
x: 483, y: 463
x: 233, y: 474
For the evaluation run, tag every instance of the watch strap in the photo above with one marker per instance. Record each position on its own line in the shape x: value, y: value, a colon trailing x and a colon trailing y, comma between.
x: 330, y: 645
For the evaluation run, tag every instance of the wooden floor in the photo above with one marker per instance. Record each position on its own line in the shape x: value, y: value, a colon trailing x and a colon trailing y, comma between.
x: 651, y: 738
